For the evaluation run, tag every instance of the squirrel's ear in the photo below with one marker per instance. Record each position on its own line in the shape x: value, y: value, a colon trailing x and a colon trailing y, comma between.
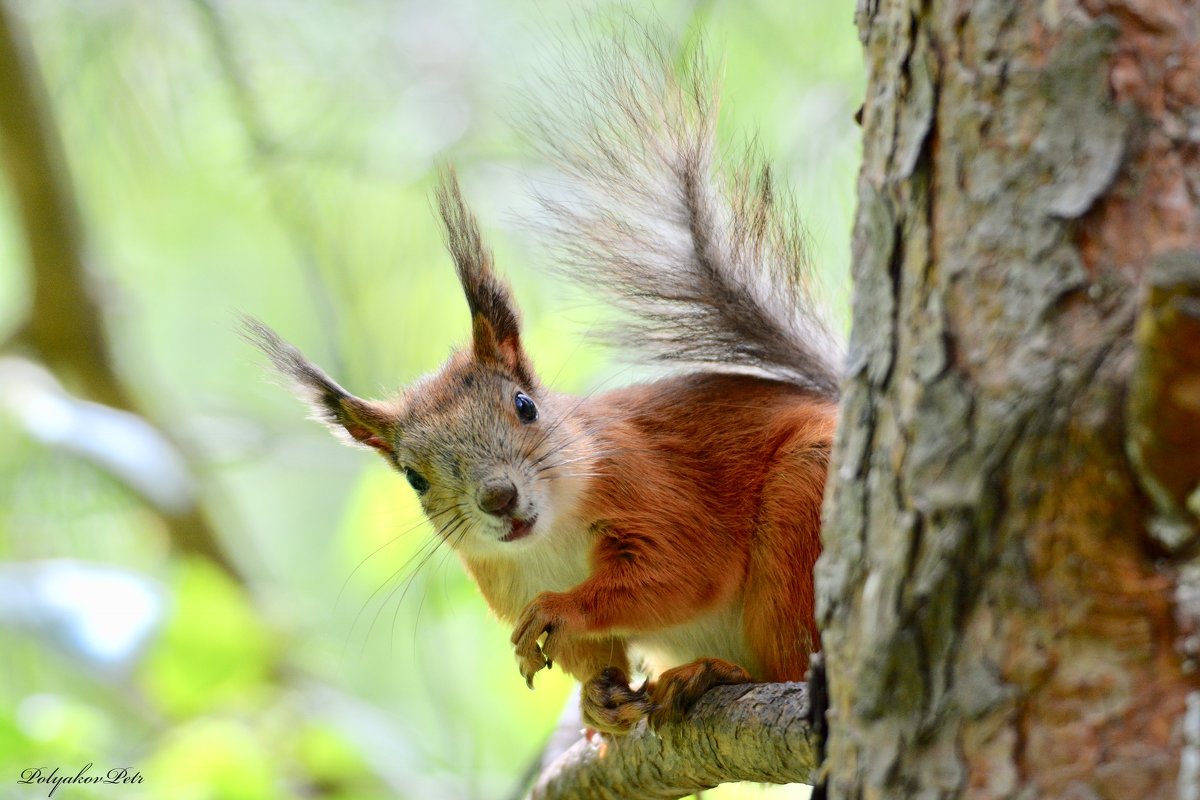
x: 358, y: 421
x: 495, y: 319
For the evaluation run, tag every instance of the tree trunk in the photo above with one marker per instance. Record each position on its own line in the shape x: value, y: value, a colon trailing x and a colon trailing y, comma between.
x: 1010, y: 547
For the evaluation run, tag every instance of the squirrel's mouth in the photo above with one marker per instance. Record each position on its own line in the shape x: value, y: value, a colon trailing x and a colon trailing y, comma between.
x: 519, y: 529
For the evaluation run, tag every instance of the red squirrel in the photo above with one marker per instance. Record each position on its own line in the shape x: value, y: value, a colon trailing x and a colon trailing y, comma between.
x: 671, y: 525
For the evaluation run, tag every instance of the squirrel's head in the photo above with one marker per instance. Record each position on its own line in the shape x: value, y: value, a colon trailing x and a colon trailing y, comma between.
x: 491, y: 454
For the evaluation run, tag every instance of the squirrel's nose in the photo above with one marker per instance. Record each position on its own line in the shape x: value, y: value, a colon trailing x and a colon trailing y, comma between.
x: 498, y: 497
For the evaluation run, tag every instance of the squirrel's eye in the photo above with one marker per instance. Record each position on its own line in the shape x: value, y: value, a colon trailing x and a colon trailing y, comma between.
x: 526, y: 410
x: 416, y: 481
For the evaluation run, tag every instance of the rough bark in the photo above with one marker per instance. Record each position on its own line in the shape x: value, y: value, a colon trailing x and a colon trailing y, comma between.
x: 1001, y: 615
x: 735, y: 733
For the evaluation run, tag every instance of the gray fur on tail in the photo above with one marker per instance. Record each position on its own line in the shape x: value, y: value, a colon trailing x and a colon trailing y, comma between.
x: 707, y: 260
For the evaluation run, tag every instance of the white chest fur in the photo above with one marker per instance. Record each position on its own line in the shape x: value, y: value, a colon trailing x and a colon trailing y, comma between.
x: 555, y: 564
x: 560, y: 564
x: 717, y: 634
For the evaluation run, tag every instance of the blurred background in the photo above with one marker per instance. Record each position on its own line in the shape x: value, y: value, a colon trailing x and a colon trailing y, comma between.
x: 195, y: 582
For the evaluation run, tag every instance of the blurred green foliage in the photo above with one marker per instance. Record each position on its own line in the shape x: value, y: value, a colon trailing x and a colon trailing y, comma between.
x: 276, y: 158
x: 213, y: 650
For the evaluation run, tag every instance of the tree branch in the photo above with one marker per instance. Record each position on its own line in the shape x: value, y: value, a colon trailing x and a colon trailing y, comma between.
x: 65, y: 327
x: 756, y: 733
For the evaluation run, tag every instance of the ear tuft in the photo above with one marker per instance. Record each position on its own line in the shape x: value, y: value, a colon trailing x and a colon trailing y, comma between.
x: 354, y: 419
x: 495, y: 319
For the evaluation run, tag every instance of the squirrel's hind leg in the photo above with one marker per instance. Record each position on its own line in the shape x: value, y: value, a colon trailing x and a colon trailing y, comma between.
x: 610, y: 705
x: 675, y: 691
x: 607, y: 702
x: 778, y: 614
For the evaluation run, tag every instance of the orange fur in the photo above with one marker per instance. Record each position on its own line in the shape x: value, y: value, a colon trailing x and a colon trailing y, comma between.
x: 708, y: 495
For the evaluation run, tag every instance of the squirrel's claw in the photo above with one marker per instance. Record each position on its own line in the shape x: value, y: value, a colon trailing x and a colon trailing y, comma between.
x: 536, y: 620
x: 530, y: 662
x: 530, y: 658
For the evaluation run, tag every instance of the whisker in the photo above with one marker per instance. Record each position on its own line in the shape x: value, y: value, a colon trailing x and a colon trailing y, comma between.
x: 389, y: 579
x: 388, y: 543
x: 460, y: 523
x: 557, y: 464
x: 569, y: 474
x: 423, y: 551
x: 421, y: 606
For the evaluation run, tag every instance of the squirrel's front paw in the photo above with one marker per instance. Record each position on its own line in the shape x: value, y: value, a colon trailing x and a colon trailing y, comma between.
x: 546, y: 614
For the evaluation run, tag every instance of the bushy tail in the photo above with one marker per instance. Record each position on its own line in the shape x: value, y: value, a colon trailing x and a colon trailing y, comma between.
x: 707, y: 260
